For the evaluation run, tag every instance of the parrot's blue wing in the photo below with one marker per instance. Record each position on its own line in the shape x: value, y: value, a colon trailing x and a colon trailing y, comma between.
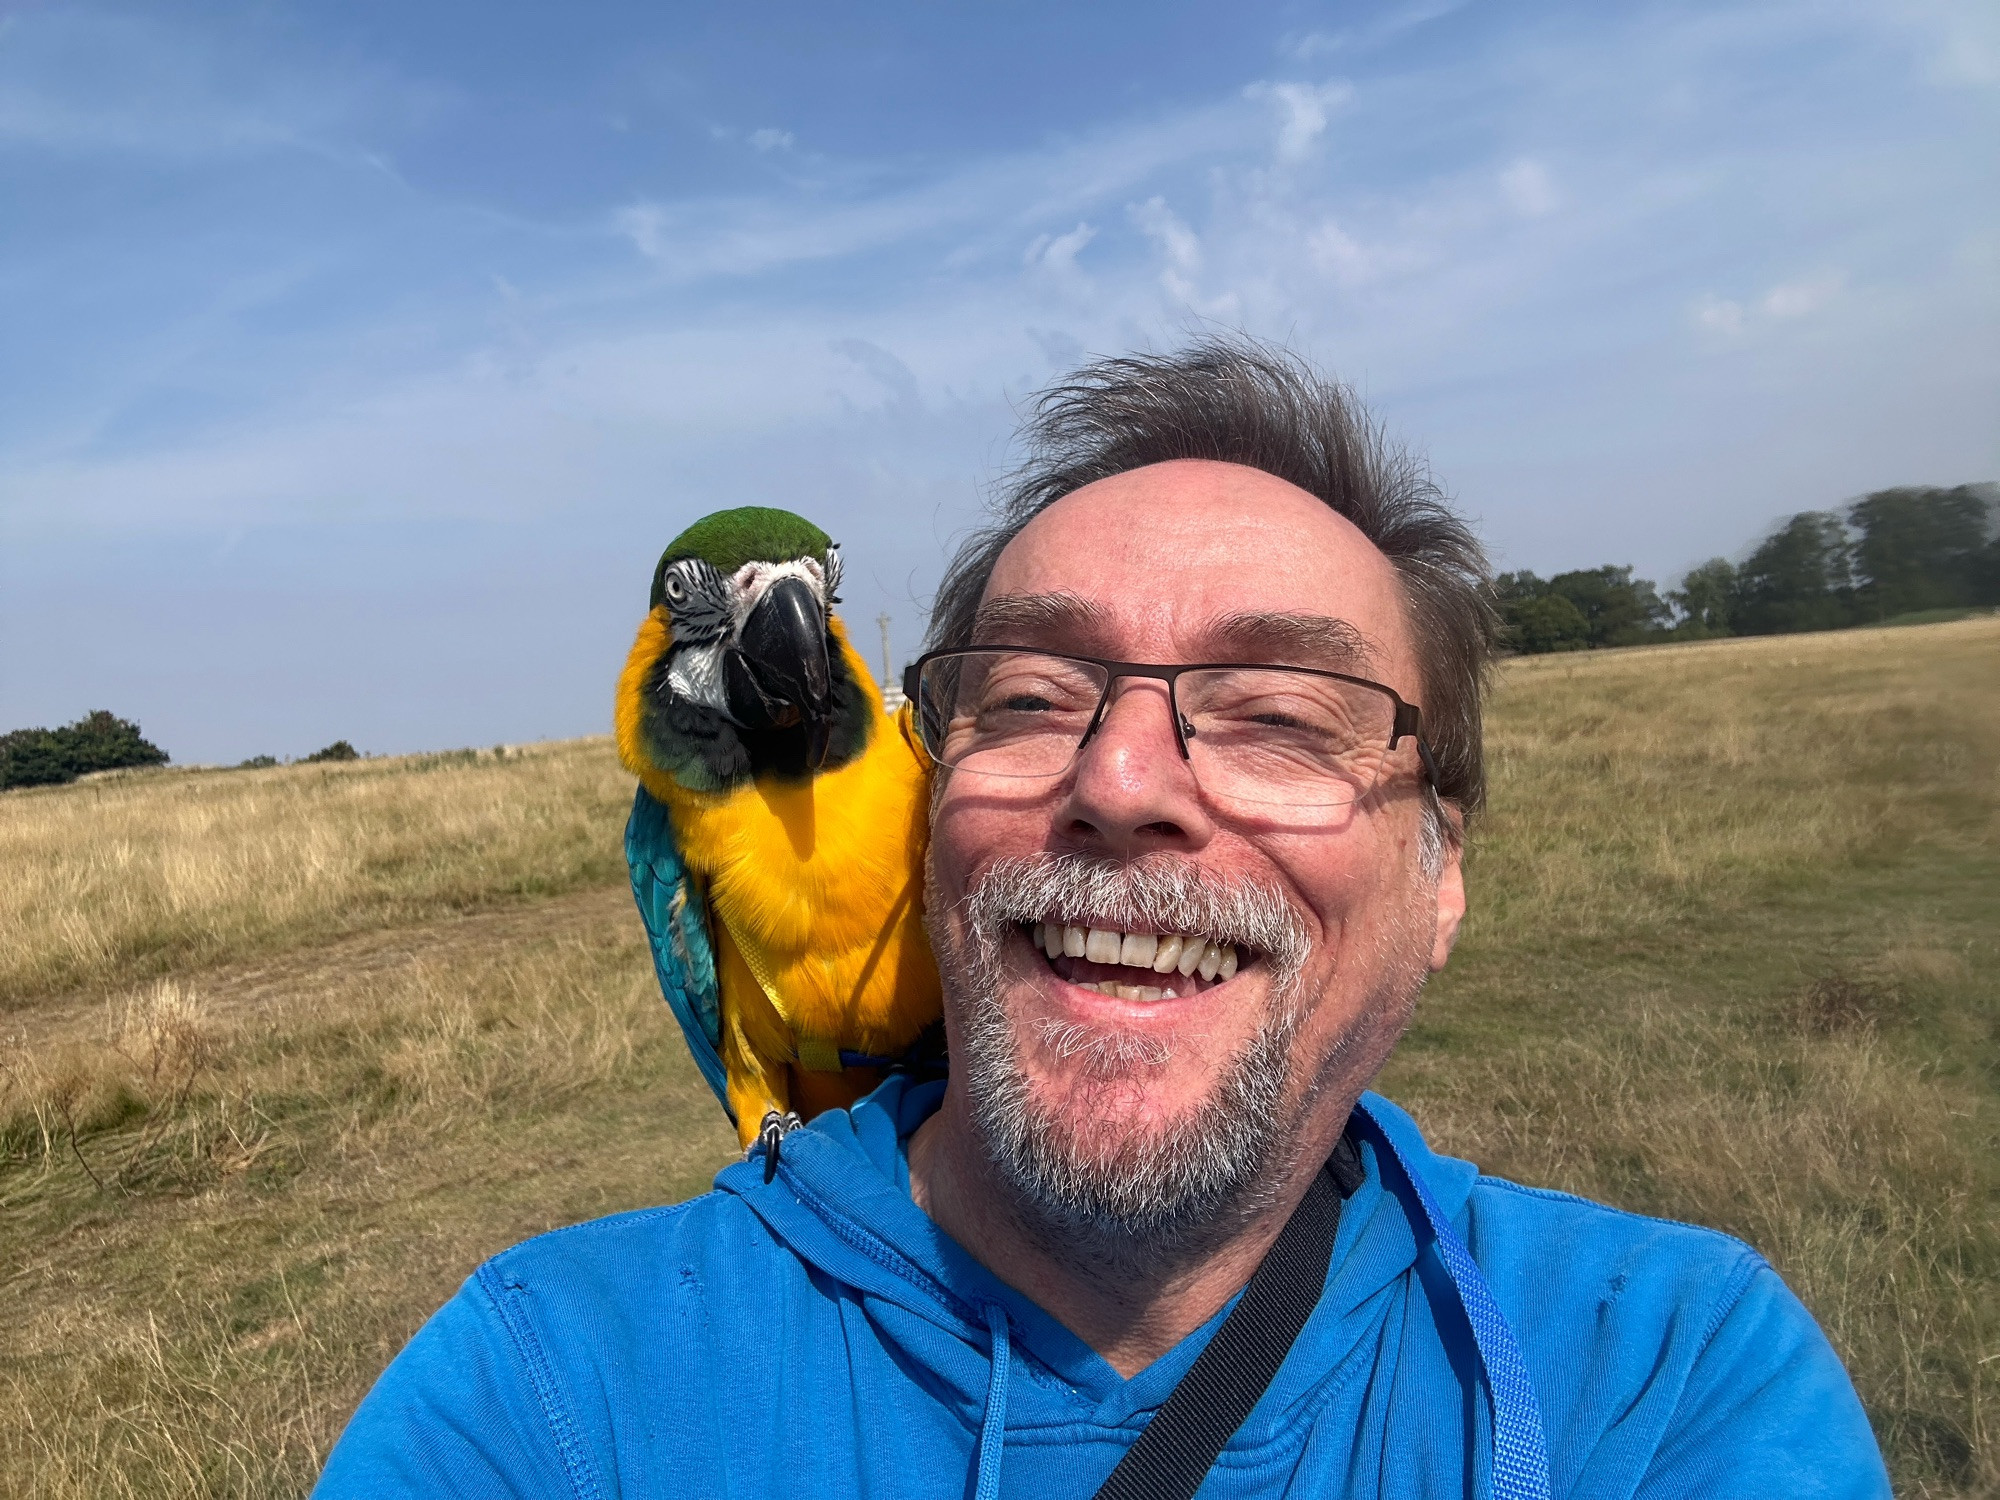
x: 676, y: 918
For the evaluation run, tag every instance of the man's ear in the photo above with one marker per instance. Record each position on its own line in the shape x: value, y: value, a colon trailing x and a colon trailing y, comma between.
x: 1450, y: 892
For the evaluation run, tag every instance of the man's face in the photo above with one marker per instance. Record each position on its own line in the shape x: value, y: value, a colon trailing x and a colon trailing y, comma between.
x: 1188, y: 562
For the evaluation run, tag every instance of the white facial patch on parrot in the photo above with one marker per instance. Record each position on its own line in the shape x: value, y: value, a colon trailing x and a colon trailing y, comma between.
x: 696, y: 677
x: 753, y: 580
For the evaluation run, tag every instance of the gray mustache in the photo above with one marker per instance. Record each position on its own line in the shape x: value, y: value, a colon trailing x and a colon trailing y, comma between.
x: 1156, y: 892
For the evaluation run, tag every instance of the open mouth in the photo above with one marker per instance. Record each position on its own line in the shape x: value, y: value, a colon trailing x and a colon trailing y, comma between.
x: 1136, y: 965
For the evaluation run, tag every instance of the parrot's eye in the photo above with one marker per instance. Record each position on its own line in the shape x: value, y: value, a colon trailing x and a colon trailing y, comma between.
x: 676, y: 590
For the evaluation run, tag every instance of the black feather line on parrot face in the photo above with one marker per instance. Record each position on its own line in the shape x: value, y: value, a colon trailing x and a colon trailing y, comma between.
x: 697, y: 599
x: 705, y: 752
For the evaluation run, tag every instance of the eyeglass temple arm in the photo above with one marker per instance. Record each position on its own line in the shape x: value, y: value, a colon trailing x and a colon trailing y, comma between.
x: 1409, y: 720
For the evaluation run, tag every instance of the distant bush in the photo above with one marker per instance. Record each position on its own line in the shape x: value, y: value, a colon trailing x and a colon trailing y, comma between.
x: 338, y: 750
x: 256, y: 762
x: 99, y: 741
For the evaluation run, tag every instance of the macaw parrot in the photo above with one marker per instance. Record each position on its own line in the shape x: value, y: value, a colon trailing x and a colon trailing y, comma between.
x: 776, y: 842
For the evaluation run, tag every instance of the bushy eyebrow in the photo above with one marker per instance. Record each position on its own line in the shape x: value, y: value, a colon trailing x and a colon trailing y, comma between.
x: 1051, y: 620
x: 1291, y: 640
x: 1065, y: 620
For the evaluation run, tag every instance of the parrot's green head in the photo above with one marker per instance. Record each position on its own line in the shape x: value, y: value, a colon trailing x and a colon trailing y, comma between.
x: 755, y: 681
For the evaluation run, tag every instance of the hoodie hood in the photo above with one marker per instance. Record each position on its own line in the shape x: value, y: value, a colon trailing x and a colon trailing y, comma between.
x: 840, y: 1200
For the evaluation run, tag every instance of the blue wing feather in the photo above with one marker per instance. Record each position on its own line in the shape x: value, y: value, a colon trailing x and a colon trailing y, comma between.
x: 676, y: 917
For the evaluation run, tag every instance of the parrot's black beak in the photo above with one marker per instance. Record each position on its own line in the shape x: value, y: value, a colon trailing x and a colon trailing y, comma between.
x: 787, y: 679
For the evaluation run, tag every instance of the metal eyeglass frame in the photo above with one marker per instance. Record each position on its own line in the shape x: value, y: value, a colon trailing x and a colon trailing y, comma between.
x: 1407, y: 720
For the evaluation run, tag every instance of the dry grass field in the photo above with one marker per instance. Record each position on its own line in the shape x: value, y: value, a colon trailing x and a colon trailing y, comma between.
x: 158, y: 871
x: 283, y: 1054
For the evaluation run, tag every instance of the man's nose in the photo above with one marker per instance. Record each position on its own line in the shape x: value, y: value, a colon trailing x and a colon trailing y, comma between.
x: 1131, y: 791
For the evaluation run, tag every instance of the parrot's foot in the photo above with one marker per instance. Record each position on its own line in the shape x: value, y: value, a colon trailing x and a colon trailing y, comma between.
x: 770, y: 1137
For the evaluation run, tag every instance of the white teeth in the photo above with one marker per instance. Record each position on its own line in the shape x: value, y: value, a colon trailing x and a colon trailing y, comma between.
x: 1168, y: 954
x: 1102, y: 947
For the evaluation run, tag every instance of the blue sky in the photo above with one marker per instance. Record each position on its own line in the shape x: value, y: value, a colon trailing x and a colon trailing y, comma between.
x: 359, y: 360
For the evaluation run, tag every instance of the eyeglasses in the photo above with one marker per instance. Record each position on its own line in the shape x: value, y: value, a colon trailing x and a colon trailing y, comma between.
x: 1294, y: 736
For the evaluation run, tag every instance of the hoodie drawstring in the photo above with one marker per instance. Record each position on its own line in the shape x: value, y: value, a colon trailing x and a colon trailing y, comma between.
x: 993, y: 1428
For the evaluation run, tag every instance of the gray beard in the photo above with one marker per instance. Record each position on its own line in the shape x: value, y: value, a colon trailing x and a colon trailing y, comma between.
x: 1119, y: 1198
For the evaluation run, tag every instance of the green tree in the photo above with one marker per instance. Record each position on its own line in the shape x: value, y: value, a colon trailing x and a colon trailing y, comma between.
x: 102, y: 741
x: 99, y: 741
x: 1706, y: 599
x: 1800, y: 577
x: 338, y: 750
x: 1918, y: 549
x: 1513, y: 588
x: 1546, y: 622
x: 33, y: 757
x: 1619, y: 610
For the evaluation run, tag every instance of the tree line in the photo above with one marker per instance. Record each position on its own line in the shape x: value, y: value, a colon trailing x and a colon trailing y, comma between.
x: 99, y: 741
x: 1891, y: 555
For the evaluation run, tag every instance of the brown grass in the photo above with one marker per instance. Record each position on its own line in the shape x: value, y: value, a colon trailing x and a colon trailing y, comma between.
x: 232, y: 1198
x: 1731, y: 960
x: 141, y: 873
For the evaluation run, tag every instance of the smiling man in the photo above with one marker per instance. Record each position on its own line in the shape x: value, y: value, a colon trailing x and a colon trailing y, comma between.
x: 1205, y: 708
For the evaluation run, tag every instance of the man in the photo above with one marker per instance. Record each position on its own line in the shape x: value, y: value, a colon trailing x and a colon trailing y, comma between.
x: 1205, y: 705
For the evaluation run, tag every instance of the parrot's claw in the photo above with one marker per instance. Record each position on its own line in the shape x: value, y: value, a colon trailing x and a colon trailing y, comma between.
x: 770, y: 1137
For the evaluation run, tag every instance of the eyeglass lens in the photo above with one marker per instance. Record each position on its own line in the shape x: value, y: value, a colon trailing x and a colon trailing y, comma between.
x: 1253, y: 734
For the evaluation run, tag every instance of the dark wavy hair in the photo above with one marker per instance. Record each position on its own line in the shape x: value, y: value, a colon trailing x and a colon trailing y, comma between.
x: 1235, y: 400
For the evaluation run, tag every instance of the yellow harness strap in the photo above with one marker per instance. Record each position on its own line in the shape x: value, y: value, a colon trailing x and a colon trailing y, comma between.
x: 814, y: 1053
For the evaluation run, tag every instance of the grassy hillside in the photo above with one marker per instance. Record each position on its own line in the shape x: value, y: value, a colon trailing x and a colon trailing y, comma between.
x: 283, y: 1054
x: 156, y: 871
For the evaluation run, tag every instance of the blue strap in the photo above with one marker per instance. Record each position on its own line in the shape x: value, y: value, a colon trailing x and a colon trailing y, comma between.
x: 993, y: 1428
x: 1520, y: 1451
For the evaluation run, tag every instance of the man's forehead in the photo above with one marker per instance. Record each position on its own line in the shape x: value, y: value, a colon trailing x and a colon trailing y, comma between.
x: 1196, y: 560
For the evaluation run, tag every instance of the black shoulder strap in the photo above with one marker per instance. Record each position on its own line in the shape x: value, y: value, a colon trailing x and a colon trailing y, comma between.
x: 1178, y: 1447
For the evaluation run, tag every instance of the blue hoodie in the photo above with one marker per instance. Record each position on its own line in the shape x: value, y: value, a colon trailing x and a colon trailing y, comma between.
x: 820, y: 1335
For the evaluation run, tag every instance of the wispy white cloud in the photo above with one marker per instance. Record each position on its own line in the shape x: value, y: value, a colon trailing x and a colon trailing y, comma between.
x: 1303, y: 112
x: 1385, y: 27
x: 1053, y: 256
x: 1180, y: 250
x: 984, y: 202
x: 1788, y: 301
x: 770, y: 139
